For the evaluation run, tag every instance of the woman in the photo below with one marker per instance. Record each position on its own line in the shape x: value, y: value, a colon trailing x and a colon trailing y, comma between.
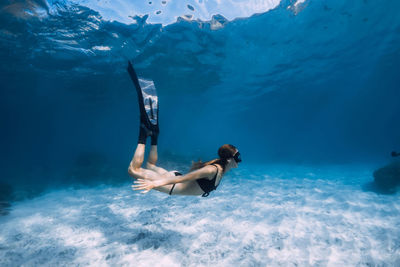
x: 203, y: 177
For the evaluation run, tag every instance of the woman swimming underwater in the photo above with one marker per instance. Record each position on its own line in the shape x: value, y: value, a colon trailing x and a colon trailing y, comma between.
x: 203, y: 177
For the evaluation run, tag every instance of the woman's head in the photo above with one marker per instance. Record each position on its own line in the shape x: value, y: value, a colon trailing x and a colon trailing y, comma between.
x: 227, y: 151
x: 229, y: 156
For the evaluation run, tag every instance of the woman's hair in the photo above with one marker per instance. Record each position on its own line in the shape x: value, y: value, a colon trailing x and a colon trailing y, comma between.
x: 224, y: 152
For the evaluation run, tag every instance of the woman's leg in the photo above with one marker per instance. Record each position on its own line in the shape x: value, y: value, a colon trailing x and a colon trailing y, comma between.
x: 148, y: 107
x: 138, y: 157
x: 152, y: 160
x: 135, y: 167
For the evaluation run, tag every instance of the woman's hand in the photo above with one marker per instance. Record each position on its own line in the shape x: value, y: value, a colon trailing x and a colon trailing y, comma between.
x: 143, y: 184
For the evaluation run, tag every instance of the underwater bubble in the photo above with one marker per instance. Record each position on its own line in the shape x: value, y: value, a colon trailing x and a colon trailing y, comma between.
x: 190, y: 7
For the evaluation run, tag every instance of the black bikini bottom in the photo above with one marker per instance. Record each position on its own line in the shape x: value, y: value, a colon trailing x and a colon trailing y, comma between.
x: 173, y: 186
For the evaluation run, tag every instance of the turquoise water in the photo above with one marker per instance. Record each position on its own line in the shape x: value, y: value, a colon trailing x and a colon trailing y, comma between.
x: 307, y: 90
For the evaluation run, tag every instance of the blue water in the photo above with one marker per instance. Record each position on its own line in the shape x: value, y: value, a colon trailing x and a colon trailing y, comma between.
x: 308, y: 92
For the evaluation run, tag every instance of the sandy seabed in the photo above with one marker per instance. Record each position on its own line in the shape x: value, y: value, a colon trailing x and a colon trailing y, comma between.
x: 259, y: 216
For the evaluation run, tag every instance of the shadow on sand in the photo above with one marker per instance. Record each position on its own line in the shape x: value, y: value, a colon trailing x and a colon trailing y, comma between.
x: 6, y: 195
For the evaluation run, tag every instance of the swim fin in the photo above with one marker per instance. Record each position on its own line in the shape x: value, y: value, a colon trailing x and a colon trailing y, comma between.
x: 148, y: 107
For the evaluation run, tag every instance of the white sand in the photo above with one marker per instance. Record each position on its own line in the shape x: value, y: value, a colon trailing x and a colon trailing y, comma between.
x: 259, y: 216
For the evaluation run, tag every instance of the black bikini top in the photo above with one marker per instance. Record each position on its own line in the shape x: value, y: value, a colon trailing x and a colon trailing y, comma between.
x: 208, y: 185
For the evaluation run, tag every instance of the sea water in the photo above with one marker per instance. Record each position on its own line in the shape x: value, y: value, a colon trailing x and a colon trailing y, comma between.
x: 307, y: 90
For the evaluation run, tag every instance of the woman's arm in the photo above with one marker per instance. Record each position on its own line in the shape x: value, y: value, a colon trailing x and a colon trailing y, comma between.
x: 146, y: 185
